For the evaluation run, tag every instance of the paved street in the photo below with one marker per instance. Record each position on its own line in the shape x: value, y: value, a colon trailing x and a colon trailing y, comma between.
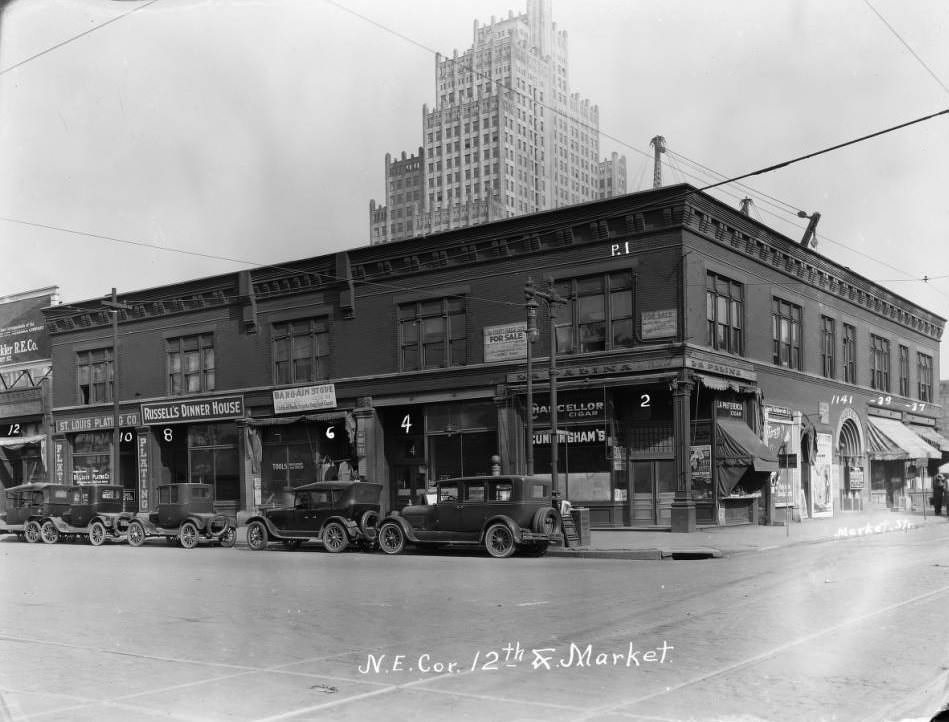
x: 849, y: 629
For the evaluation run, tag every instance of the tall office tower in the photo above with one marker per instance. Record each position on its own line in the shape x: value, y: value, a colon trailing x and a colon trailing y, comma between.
x: 612, y: 176
x: 506, y: 136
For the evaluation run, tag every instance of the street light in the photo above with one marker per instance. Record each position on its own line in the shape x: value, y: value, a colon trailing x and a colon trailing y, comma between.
x: 552, y: 299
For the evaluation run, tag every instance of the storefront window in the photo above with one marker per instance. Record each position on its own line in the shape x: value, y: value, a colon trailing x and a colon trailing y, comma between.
x: 212, y: 450
x: 301, y: 453
x: 92, y: 458
x: 462, y: 438
x: 582, y: 461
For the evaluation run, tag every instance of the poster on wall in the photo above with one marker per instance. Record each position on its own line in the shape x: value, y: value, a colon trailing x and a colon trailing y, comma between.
x: 784, y: 439
x: 822, y: 492
x: 700, y: 461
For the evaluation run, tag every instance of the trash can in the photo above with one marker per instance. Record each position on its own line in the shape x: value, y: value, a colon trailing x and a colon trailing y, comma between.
x: 581, y: 520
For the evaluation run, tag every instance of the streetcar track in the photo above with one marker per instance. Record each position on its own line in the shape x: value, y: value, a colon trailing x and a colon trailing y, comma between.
x: 766, y: 654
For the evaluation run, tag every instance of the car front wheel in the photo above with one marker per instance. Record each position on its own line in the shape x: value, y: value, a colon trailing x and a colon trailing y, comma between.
x: 334, y: 537
x: 188, y: 535
x: 256, y: 536
x: 136, y: 534
x: 391, y: 538
x: 499, y: 541
x: 96, y: 533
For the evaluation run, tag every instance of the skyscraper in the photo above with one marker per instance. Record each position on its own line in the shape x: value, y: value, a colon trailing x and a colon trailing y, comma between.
x: 506, y: 136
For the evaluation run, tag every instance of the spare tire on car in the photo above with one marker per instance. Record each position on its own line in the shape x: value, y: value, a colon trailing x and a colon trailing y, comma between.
x: 546, y: 521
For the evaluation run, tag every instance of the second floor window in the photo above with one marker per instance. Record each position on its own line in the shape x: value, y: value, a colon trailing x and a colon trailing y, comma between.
x: 850, y: 354
x: 724, y: 305
x: 432, y: 334
x: 94, y: 375
x: 598, y: 315
x: 904, y: 371
x: 924, y: 371
x: 190, y: 361
x: 301, y: 351
x: 879, y: 363
x: 828, y: 344
x: 786, y: 333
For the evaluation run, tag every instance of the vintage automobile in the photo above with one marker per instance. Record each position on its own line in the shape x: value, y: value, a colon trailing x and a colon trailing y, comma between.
x: 95, y: 512
x: 503, y: 514
x: 184, y: 516
x: 28, y: 508
x: 335, y: 513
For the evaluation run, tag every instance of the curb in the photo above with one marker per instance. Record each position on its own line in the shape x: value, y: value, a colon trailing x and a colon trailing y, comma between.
x: 652, y: 554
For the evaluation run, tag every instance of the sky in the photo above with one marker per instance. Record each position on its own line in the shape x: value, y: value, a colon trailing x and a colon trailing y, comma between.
x: 189, y: 138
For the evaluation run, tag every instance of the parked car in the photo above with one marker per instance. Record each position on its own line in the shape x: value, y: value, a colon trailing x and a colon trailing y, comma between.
x: 336, y: 513
x: 95, y: 512
x: 503, y: 514
x: 184, y: 516
x: 28, y: 508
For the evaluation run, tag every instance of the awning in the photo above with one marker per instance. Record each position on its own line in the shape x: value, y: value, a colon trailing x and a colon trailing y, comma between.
x: 15, y: 442
x: 284, y: 420
x: 891, y: 440
x: 739, y: 453
x: 738, y: 446
x: 716, y: 383
x: 933, y: 437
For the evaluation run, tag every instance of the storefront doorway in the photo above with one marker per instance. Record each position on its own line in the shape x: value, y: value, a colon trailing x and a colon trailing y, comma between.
x: 654, y: 484
x: 408, y: 485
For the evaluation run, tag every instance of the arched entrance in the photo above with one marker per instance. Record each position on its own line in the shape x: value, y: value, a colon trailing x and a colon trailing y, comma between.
x: 852, y: 462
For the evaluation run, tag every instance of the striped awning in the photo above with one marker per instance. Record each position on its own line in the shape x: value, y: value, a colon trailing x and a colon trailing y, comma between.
x: 892, y: 440
x: 933, y: 437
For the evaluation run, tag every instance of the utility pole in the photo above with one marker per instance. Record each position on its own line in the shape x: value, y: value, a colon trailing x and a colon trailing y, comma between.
x: 552, y: 299
x: 659, y: 145
x: 114, y: 307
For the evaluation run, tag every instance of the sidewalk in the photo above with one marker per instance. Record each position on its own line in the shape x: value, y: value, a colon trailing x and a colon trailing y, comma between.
x: 714, y: 542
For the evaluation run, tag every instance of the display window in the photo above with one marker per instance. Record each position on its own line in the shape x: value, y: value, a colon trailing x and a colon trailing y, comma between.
x: 213, y: 459
x: 92, y: 458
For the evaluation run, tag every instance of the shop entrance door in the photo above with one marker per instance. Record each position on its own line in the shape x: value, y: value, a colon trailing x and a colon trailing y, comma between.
x: 407, y: 485
x: 653, y: 484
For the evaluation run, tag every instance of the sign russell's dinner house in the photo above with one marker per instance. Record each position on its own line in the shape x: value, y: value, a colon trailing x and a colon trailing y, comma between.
x: 176, y: 412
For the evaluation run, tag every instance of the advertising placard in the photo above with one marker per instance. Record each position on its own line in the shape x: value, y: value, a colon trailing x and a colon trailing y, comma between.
x: 822, y: 478
x: 184, y: 411
x: 305, y: 398
x: 504, y: 343
x: 23, y: 336
x: 658, y: 324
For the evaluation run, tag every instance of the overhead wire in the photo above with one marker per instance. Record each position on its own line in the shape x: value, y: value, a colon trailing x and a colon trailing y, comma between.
x: 907, y: 46
x: 596, y: 129
x: 732, y: 180
x: 73, y: 38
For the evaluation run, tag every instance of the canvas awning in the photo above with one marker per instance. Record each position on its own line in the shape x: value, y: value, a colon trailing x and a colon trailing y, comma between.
x: 739, y: 446
x: 892, y: 440
x: 285, y: 420
x: 15, y: 442
x: 933, y: 437
x: 717, y: 383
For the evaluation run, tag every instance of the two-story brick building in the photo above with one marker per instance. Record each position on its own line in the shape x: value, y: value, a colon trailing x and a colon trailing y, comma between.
x: 708, y: 369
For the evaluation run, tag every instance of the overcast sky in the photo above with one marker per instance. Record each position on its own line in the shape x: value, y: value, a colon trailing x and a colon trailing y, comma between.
x: 257, y: 130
